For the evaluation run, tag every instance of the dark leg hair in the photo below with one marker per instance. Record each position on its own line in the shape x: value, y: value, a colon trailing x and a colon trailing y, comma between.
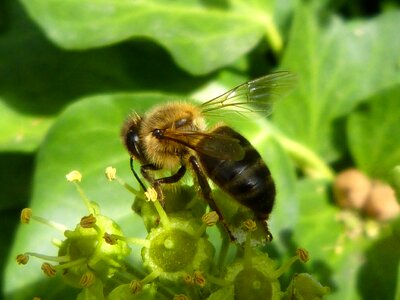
x: 156, y: 183
x: 206, y: 192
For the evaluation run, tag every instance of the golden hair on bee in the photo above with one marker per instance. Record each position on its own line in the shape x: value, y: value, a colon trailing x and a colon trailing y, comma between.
x: 171, y: 117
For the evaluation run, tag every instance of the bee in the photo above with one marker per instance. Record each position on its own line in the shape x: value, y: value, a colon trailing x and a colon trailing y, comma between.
x: 174, y: 136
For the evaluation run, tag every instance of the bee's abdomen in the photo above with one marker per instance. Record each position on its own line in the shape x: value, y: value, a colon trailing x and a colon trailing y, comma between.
x: 248, y: 180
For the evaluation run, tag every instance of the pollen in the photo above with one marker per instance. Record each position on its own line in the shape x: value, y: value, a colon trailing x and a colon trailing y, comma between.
x: 250, y: 225
x: 188, y: 279
x: 303, y: 254
x: 111, y: 173
x: 87, y: 279
x: 22, y: 259
x: 151, y: 194
x: 48, y: 270
x: 210, y: 218
x: 74, y: 176
x: 135, y: 286
x: 88, y: 221
x: 111, y: 239
x: 26, y: 215
x: 199, y: 279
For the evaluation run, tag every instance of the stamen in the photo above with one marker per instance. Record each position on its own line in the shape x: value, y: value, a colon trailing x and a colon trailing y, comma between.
x: 22, y: 259
x: 210, y: 218
x: 88, y: 221
x: 301, y: 254
x: 129, y: 188
x: 48, y: 270
x: 200, y: 231
x: 152, y: 276
x: 135, y: 286
x: 181, y: 297
x: 70, y: 264
x: 151, y: 195
x: 111, y: 173
x: 59, y: 259
x: 85, y: 199
x: 199, y: 279
x: 26, y: 216
x: 188, y: 279
x: 87, y: 279
x: 112, y: 239
x: 74, y: 176
x: 251, y: 226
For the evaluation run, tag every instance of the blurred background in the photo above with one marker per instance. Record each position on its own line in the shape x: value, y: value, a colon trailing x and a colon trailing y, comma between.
x: 69, y: 68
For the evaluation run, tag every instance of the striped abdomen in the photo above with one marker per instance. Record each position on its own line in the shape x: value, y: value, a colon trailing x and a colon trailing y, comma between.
x: 248, y: 180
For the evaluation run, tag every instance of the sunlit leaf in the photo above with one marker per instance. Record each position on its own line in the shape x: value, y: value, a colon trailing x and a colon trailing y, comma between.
x: 20, y: 132
x: 201, y: 36
x: 339, y: 64
x: 374, y: 134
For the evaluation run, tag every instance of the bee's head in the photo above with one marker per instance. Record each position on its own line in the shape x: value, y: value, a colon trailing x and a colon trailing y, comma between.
x: 131, y: 139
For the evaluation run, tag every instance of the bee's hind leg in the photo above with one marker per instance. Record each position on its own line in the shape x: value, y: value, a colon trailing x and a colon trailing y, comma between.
x: 207, y: 193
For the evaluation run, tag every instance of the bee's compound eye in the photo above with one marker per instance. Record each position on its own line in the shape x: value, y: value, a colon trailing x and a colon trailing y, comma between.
x: 132, y: 143
x: 158, y: 133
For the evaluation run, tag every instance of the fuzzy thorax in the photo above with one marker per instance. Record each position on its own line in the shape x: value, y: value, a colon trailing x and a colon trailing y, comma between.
x: 172, y: 117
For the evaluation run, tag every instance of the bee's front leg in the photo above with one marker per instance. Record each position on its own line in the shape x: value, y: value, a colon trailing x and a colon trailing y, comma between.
x: 147, y: 173
x: 156, y: 183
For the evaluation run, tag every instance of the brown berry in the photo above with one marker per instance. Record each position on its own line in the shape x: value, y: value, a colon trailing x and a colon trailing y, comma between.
x: 351, y: 189
x: 381, y: 203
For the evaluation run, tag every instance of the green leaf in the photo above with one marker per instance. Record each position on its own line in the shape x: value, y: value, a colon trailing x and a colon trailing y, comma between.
x: 374, y: 134
x: 314, y: 208
x: 342, y: 256
x: 285, y: 214
x: 200, y: 36
x: 20, y: 132
x: 15, y: 180
x: 378, y: 275
x: 339, y: 64
x: 320, y: 233
x: 397, y: 295
x: 38, y: 80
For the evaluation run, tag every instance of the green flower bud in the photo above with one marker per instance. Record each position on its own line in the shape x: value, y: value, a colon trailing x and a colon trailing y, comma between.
x: 255, y: 279
x: 303, y: 287
x: 177, y: 250
x: 251, y: 283
x: 87, y: 244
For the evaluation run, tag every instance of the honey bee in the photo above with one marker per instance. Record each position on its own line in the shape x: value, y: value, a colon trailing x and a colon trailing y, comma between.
x: 174, y: 136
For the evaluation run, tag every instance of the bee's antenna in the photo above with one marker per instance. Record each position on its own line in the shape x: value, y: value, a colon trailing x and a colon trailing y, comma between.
x: 136, y: 175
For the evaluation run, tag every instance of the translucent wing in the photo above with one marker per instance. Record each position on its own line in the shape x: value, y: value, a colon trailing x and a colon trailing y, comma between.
x: 255, y: 95
x: 216, y: 145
